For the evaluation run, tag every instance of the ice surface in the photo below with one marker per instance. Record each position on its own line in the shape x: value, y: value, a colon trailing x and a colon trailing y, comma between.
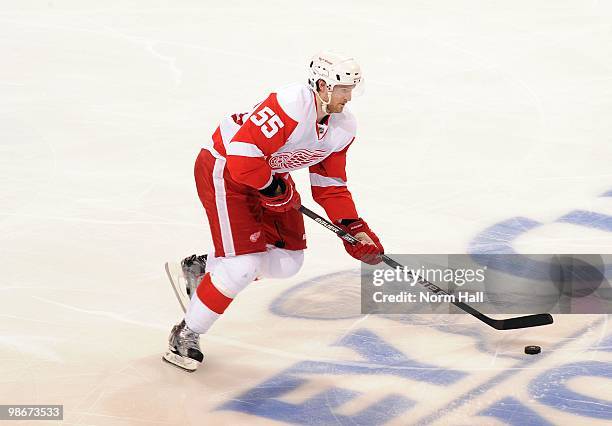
x: 485, y: 125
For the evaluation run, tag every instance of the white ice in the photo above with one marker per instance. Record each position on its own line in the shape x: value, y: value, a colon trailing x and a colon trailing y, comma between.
x: 475, y: 112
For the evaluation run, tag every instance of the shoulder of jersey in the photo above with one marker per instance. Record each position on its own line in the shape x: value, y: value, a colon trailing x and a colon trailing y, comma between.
x: 296, y: 100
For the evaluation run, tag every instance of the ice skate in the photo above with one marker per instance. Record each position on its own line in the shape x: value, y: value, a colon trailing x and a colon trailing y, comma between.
x: 186, y: 277
x: 184, y: 348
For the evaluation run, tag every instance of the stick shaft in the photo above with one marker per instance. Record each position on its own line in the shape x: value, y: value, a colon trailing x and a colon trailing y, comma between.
x: 506, y: 324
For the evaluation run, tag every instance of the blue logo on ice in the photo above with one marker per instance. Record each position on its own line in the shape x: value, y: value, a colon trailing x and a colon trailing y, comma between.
x: 551, y: 388
x: 380, y: 358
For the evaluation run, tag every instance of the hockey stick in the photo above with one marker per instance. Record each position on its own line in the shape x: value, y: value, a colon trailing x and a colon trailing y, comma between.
x: 498, y: 324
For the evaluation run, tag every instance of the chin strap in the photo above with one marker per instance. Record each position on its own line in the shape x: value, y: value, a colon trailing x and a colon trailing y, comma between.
x: 323, y: 103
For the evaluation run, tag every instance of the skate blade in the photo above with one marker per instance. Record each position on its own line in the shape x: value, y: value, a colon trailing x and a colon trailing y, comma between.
x: 186, y: 364
x: 178, y: 281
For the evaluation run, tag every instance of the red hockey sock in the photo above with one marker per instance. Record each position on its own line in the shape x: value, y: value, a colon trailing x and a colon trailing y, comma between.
x: 211, y: 297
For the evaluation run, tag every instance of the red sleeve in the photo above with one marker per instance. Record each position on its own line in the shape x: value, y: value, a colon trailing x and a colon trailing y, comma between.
x: 328, y: 183
x: 263, y: 133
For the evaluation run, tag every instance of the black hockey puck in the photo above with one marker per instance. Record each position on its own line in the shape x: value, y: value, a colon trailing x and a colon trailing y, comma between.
x: 532, y: 350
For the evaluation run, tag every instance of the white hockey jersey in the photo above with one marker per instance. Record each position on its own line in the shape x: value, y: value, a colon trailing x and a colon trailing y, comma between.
x: 281, y: 134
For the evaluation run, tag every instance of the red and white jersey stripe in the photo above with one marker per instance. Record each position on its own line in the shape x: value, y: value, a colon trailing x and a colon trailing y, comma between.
x: 281, y: 135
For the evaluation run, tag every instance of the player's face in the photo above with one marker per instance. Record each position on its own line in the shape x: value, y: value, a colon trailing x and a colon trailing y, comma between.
x: 340, y: 96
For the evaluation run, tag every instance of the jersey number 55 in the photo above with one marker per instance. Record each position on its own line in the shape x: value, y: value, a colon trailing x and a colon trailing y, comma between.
x: 267, y: 121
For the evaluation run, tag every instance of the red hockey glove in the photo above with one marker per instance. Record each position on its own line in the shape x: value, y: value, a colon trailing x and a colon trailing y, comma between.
x: 369, y: 248
x: 280, y: 196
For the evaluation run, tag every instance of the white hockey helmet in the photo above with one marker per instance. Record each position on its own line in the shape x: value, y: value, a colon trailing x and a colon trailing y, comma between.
x: 334, y: 68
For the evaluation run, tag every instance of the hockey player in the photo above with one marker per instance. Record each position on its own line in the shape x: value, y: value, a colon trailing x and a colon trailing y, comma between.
x: 242, y: 178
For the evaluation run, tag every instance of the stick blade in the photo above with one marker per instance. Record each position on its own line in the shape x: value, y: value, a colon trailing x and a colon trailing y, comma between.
x: 528, y: 321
